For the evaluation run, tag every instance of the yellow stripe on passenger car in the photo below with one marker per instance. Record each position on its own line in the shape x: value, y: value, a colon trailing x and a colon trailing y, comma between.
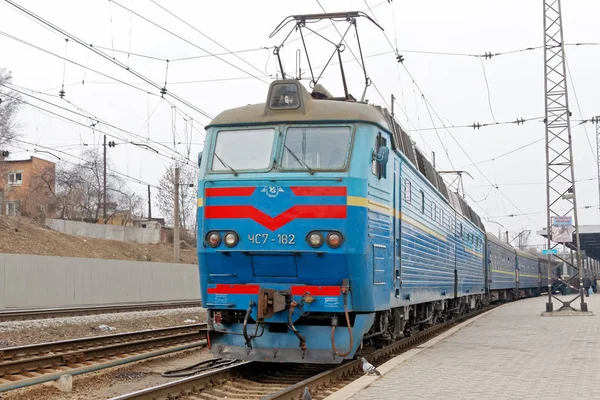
x: 200, y: 201
x: 499, y: 271
x: 529, y: 276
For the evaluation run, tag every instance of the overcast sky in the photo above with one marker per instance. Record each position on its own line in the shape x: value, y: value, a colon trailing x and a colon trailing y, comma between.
x: 454, y: 86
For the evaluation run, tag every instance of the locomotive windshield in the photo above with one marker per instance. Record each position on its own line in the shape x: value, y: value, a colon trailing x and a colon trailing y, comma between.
x: 318, y: 148
x: 303, y: 149
x: 247, y: 149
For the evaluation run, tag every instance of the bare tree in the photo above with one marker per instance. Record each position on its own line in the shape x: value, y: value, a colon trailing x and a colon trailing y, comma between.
x: 187, y: 196
x: 80, y: 191
x: 9, y: 105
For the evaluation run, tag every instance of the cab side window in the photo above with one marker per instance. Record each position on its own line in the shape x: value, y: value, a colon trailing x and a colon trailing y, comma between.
x: 379, y: 170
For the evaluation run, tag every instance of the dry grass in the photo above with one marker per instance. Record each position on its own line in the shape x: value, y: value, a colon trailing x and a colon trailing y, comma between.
x: 19, y: 235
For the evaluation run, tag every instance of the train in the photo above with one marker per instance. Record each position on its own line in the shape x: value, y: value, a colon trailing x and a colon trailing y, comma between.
x: 322, y: 228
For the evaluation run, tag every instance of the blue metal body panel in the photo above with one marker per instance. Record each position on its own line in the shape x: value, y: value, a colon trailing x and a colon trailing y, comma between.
x: 528, y: 269
x: 502, y: 264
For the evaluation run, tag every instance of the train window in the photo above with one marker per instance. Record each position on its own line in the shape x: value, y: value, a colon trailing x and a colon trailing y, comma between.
x: 422, y: 202
x: 407, y: 190
x: 434, y: 212
x: 235, y: 151
x: 461, y: 230
x: 379, y: 170
x: 320, y: 148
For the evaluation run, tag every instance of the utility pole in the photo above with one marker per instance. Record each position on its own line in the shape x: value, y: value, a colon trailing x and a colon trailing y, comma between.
x: 104, y: 179
x: 176, y: 217
x: 149, y: 205
x: 596, y: 120
x: 506, y: 235
x: 560, y: 174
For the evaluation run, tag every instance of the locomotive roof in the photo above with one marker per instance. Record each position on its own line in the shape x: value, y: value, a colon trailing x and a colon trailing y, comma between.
x: 313, y: 110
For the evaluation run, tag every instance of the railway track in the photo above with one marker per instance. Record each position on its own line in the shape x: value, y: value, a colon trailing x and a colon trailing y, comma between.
x: 45, y: 313
x: 254, y: 380
x: 28, y: 365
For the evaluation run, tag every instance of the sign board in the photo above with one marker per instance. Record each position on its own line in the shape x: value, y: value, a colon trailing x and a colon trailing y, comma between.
x: 551, y: 251
x: 562, y: 229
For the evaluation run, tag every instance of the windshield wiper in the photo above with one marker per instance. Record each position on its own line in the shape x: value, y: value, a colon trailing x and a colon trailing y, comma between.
x: 225, y: 164
x: 299, y: 161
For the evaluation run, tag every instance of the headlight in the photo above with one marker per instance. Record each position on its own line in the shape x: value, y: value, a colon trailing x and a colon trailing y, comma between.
x: 314, y: 239
x: 334, y: 240
x: 231, y: 239
x: 213, y: 239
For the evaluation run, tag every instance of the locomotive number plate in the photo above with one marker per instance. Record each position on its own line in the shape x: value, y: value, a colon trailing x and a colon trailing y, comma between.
x: 264, y: 238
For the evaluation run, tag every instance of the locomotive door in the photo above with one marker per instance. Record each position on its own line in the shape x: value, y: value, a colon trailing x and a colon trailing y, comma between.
x: 397, y: 227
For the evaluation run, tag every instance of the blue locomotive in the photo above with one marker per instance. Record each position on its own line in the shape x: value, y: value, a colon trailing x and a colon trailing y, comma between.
x: 321, y: 226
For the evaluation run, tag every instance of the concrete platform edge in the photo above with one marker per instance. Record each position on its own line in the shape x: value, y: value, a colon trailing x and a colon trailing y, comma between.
x: 365, y: 381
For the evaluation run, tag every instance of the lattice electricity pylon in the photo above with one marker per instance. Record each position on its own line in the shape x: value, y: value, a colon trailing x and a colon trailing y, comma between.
x: 560, y: 175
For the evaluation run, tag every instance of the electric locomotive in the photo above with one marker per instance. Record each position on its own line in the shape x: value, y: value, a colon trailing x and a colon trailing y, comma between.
x: 321, y: 226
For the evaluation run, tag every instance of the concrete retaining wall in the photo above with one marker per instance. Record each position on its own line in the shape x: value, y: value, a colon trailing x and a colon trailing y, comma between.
x: 41, y: 281
x: 101, y: 231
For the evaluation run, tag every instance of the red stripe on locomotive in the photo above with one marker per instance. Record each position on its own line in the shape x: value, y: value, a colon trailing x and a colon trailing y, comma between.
x: 232, y: 191
x: 319, y: 190
x: 317, y: 290
x: 234, y: 289
x: 295, y: 212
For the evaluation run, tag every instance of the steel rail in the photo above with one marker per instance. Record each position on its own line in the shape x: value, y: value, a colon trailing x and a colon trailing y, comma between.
x: 46, y: 313
x: 64, y: 346
x: 28, y: 365
x: 255, y: 380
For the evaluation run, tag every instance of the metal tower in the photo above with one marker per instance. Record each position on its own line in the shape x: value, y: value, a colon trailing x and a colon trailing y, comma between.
x: 596, y: 120
x: 560, y: 175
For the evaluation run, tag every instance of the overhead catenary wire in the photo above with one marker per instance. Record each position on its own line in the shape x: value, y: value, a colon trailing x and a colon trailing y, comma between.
x: 463, y: 149
x: 188, y: 58
x: 205, y: 35
x: 544, y: 212
x: 452, y: 135
x: 131, y: 178
x: 185, y: 40
x: 111, y: 59
x: 88, y: 115
x: 91, y: 127
x: 448, y: 130
x: 587, y: 135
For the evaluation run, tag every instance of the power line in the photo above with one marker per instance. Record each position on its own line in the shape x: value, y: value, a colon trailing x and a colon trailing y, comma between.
x: 507, y: 153
x: 587, y: 135
x: 458, y: 143
x: 487, y: 85
x: 525, y: 183
x: 478, y: 125
x: 183, y: 39
x: 155, y: 58
x: 93, y: 117
x: 542, y: 212
x: 74, y: 62
x: 206, y: 36
x: 132, y: 179
x: 162, y: 89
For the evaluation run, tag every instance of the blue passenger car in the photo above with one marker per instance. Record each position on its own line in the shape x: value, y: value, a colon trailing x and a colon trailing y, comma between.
x: 502, y: 267
x: 528, y: 273
x: 321, y: 227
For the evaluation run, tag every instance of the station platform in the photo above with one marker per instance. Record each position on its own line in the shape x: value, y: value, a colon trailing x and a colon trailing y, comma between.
x: 510, y: 352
